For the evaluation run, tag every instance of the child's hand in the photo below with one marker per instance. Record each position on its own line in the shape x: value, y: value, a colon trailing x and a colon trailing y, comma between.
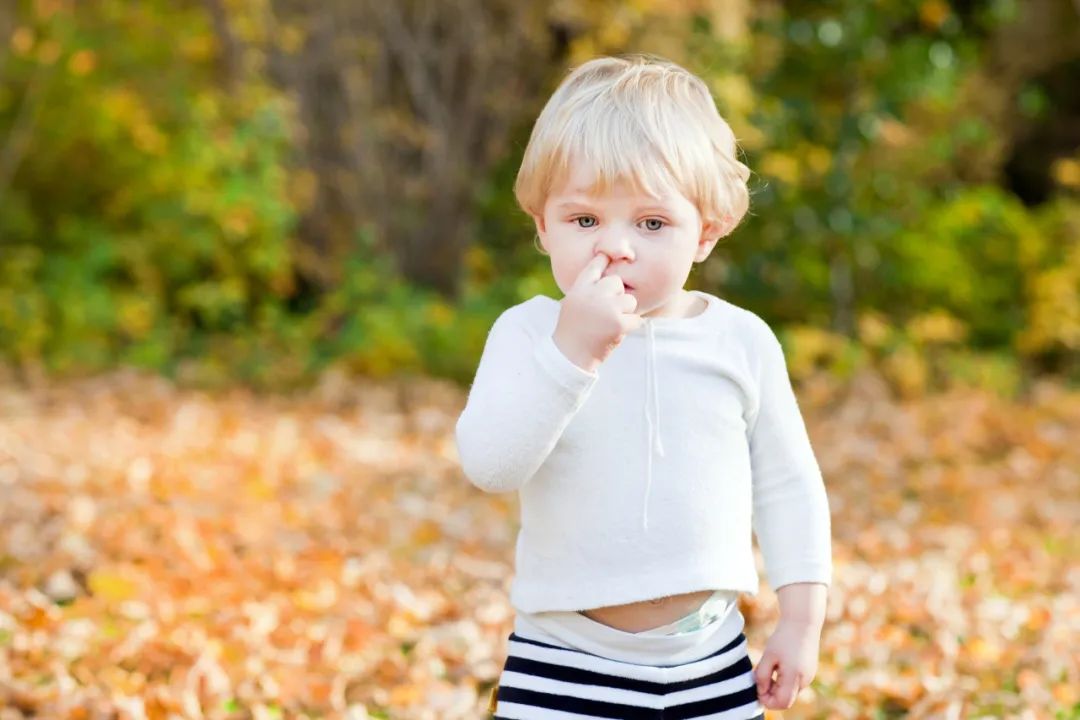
x: 596, y: 314
x: 792, y: 651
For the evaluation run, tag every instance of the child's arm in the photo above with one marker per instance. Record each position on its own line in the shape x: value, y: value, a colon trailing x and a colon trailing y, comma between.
x: 791, y: 511
x: 527, y: 389
x: 792, y: 524
x: 524, y: 395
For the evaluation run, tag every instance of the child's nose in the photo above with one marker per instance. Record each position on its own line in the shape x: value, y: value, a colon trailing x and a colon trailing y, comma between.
x: 616, y: 245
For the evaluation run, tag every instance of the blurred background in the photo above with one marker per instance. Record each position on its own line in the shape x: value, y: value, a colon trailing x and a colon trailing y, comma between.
x: 258, y: 190
x: 250, y: 251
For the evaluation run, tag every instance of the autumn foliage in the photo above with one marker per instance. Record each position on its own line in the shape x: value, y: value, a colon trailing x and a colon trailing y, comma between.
x: 168, y: 553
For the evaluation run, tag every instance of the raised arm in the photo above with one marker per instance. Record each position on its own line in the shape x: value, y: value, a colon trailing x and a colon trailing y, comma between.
x: 791, y: 510
x: 525, y: 393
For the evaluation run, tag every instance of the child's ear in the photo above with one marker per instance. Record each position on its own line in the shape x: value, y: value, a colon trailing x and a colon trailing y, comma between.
x: 711, y: 232
x: 541, y: 228
x: 723, y: 226
x: 541, y: 234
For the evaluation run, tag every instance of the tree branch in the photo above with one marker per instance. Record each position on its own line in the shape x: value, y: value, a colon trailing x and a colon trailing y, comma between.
x: 411, y: 57
x: 13, y: 151
x: 229, y: 57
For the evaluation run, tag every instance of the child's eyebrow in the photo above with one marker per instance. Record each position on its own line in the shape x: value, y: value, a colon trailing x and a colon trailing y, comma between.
x: 571, y: 204
x: 574, y: 204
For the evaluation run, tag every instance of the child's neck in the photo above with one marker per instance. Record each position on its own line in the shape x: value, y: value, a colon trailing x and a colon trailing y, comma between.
x: 682, y: 305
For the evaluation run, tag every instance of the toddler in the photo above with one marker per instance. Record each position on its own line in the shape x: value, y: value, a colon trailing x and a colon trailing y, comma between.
x: 649, y: 430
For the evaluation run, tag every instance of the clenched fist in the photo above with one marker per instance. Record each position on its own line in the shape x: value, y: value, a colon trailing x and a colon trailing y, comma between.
x: 596, y: 314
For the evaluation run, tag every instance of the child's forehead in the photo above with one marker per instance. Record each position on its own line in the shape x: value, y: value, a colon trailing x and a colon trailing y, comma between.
x: 581, y: 182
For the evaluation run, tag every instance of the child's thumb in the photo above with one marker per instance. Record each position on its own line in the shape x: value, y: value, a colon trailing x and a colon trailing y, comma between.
x: 763, y: 673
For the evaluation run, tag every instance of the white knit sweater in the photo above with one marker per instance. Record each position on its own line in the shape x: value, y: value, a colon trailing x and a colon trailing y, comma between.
x: 641, y: 479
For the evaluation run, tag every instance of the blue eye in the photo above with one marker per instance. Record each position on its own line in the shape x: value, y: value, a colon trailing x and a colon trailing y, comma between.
x: 591, y: 221
x: 654, y: 224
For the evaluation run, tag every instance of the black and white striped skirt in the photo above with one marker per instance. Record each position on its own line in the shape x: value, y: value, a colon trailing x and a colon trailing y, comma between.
x: 542, y: 680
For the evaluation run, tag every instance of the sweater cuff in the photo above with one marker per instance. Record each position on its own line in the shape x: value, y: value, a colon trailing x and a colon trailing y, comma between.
x: 820, y: 572
x: 561, y: 368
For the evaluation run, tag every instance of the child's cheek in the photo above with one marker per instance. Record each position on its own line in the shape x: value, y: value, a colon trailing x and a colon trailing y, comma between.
x: 564, y: 273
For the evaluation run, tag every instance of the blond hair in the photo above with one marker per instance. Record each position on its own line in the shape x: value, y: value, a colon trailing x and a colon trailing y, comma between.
x: 639, y: 119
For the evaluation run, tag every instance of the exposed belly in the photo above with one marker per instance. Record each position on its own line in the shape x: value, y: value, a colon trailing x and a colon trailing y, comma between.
x: 648, y: 614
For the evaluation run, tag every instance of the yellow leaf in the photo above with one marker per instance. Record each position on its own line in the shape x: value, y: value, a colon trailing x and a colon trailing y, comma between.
x: 818, y: 159
x: 983, y: 649
x: 22, y: 41
x: 401, y: 624
x: 1066, y: 694
x: 196, y: 48
x: 426, y: 533
x: 1067, y: 172
x: 781, y: 166
x: 111, y: 585
x: 82, y: 63
x: 407, y: 694
x: 933, y: 13
x: 292, y: 39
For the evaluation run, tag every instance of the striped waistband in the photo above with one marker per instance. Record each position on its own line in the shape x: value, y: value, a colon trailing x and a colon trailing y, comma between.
x: 543, y: 680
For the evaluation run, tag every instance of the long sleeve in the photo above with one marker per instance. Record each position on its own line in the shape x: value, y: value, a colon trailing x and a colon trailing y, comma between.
x: 791, y: 511
x: 525, y: 393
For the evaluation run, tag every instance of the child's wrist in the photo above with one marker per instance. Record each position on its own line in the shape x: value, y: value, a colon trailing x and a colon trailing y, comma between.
x: 803, y: 603
x: 573, y: 354
x: 803, y: 623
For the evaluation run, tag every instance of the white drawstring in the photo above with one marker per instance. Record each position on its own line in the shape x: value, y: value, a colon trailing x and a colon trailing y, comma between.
x: 652, y: 413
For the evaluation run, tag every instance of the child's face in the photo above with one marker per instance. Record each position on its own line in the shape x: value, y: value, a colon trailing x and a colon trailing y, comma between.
x: 652, y: 242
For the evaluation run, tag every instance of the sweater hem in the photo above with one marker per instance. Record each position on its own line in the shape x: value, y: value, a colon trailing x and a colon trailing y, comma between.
x: 546, y: 597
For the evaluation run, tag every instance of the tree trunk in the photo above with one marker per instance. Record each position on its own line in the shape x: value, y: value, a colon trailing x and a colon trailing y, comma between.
x: 405, y: 105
